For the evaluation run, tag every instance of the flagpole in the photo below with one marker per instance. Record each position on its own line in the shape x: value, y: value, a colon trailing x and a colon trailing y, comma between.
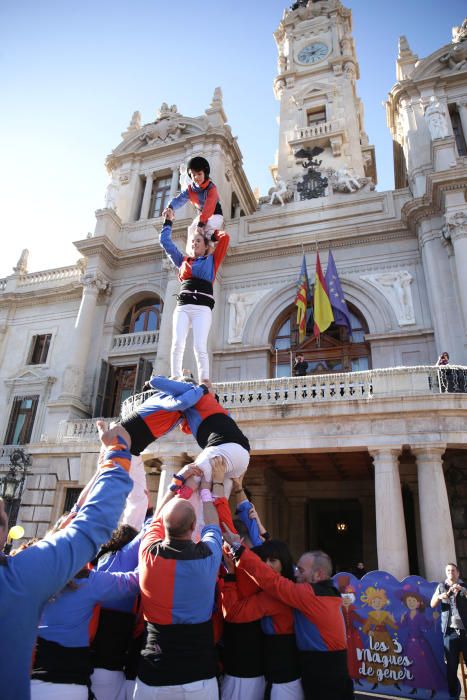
x: 276, y: 363
x: 291, y: 365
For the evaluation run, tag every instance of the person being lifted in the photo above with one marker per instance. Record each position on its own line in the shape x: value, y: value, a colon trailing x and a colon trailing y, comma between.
x: 195, y: 300
x: 203, y: 194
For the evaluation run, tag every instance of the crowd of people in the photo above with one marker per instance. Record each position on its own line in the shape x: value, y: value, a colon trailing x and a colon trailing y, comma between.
x: 121, y: 601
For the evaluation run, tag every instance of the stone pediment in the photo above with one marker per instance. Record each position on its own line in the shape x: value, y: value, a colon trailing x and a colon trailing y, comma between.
x: 448, y: 59
x: 169, y: 127
x: 30, y: 378
x: 319, y: 89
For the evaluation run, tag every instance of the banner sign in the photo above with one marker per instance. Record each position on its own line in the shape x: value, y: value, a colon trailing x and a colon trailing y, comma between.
x: 395, y: 643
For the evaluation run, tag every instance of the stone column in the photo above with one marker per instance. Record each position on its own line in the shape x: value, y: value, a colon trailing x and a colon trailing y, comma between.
x: 170, y: 466
x: 162, y: 361
x: 146, y: 197
x: 439, y: 286
x: 435, y: 515
x: 259, y: 496
x: 174, y: 183
x: 93, y: 283
x: 391, y: 537
x: 296, y: 535
x: 456, y: 224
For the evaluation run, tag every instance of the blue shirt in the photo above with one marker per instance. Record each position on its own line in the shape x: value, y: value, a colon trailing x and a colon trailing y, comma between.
x: 29, y: 579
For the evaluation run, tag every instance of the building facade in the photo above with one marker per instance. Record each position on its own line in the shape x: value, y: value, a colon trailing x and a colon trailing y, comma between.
x: 365, y: 456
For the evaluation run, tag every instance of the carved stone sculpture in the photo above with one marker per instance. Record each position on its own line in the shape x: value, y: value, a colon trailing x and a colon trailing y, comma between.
x: 168, y: 126
x: 436, y: 119
x: 111, y: 195
x: 241, y: 306
x: 22, y: 264
x: 395, y: 286
x: 342, y: 180
x: 278, y: 191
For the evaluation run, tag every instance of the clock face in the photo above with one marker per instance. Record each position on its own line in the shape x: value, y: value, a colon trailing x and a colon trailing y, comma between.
x: 313, y: 53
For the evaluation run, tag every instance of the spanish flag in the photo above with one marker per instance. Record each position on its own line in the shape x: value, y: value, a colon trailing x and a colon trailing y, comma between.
x: 301, y: 299
x: 322, y: 310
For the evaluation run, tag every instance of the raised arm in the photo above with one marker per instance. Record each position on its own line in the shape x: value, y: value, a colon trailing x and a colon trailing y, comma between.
x: 165, y: 240
x: 297, y: 595
x: 55, y: 559
x: 222, y: 239
x: 254, y: 607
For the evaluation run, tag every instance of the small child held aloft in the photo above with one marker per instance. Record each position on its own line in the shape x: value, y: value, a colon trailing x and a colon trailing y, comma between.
x: 204, y: 196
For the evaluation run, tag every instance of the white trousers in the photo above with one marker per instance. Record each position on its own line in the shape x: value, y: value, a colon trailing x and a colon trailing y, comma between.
x: 236, y: 459
x: 199, y: 318
x: 43, y: 690
x: 287, y: 691
x: 108, y: 685
x: 137, y: 501
x: 198, y: 690
x: 214, y: 223
x: 234, y: 688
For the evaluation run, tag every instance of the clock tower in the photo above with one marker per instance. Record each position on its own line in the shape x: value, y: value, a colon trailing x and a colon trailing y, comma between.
x: 316, y: 87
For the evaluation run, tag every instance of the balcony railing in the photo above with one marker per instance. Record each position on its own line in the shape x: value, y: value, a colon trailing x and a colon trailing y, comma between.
x: 313, y: 389
x: 79, y: 430
x: 398, y: 381
x: 134, y: 342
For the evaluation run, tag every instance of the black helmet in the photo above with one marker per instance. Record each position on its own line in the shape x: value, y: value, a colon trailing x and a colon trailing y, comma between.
x: 199, y: 163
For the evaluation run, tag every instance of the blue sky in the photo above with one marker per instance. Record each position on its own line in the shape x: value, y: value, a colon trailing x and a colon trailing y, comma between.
x: 72, y: 74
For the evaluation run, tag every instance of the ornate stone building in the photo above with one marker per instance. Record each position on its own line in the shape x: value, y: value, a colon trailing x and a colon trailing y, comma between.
x: 365, y: 457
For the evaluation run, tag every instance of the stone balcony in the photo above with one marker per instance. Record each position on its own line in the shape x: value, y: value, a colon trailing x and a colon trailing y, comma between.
x: 321, y: 134
x: 128, y: 343
x: 406, y: 388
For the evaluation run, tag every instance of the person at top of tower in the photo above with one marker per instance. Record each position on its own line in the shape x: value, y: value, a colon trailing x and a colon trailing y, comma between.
x: 204, y: 196
x: 195, y: 300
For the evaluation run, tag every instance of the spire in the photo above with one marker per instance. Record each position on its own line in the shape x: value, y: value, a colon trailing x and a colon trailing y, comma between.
x: 134, y: 125
x: 406, y: 59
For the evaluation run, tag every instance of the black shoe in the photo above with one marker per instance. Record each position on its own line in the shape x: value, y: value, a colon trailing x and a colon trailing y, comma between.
x: 375, y: 685
x: 414, y: 692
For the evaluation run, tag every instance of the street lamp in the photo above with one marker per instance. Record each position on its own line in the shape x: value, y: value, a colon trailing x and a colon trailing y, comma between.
x: 12, y: 483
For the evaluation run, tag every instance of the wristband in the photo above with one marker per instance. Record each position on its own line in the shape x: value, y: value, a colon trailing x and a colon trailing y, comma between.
x: 201, y: 224
x: 204, y: 388
x: 237, y: 491
x: 206, y: 496
x: 177, y: 483
x: 218, y: 483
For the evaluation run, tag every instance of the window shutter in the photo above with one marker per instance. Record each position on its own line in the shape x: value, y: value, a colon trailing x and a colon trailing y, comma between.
x: 109, y: 393
x: 101, y: 389
x: 143, y: 373
x: 12, y: 422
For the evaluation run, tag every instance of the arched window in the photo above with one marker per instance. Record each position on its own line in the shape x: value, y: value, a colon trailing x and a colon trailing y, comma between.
x: 336, y: 351
x: 143, y: 316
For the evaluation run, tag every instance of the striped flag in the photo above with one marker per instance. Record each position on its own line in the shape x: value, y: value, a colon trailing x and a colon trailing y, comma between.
x: 303, y: 293
x: 322, y: 309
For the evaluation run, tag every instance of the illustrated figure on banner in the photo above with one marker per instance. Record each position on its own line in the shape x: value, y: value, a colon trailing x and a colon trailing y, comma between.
x: 414, y: 625
x: 377, y: 627
x: 353, y: 623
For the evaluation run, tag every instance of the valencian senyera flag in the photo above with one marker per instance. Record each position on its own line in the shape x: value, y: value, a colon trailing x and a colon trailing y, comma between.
x: 322, y: 310
x: 303, y: 294
x: 336, y: 295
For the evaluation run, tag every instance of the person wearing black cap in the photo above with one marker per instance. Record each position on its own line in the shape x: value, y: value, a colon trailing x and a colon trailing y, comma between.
x: 203, y: 194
